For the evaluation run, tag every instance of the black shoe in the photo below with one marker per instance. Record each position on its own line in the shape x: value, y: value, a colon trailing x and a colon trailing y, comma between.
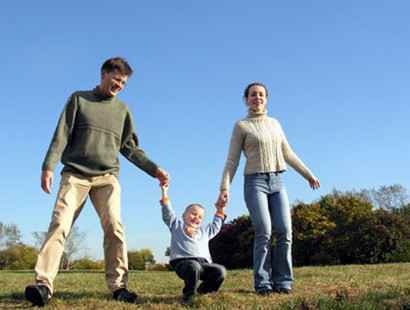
x: 37, y: 295
x: 125, y: 295
x: 264, y: 291
x: 283, y: 290
x: 187, y: 300
x: 203, y: 290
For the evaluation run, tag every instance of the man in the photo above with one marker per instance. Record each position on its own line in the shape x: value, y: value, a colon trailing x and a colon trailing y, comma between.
x: 93, y: 128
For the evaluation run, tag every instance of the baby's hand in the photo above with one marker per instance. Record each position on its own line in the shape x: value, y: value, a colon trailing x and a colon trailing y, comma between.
x: 164, y: 189
x: 164, y: 197
x: 220, y: 204
x: 220, y: 209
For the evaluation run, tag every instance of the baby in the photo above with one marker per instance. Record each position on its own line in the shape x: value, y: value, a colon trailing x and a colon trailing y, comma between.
x: 189, y: 255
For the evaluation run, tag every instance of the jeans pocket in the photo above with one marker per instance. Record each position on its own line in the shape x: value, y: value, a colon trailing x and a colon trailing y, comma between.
x: 276, y: 183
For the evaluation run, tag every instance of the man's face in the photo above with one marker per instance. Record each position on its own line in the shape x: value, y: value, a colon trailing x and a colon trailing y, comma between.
x: 193, y: 217
x: 112, y: 83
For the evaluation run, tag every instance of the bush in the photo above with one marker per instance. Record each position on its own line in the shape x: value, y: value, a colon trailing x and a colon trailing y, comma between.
x: 87, y: 264
x: 137, y: 260
x: 344, y: 228
x: 18, y: 256
x: 159, y: 267
x: 233, y: 246
x: 310, y: 227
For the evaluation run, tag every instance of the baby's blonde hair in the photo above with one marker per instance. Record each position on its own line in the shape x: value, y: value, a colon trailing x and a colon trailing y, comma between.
x: 191, y: 206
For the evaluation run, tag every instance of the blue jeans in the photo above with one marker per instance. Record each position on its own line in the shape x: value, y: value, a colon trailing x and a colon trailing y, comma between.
x: 268, y: 205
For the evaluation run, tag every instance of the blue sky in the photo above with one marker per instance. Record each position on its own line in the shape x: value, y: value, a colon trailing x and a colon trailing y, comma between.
x: 337, y: 72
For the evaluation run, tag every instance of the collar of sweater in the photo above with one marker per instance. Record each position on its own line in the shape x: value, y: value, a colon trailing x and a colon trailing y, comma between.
x: 100, y: 96
x: 257, y: 115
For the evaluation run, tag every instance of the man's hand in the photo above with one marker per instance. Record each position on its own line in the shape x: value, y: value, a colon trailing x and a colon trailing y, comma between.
x: 46, y: 180
x: 162, y: 176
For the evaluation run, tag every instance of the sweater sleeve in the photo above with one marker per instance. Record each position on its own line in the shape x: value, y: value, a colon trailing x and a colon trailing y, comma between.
x: 214, y: 228
x: 130, y: 148
x: 292, y: 159
x: 61, y: 135
x: 234, y: 155
x: 168, y: 215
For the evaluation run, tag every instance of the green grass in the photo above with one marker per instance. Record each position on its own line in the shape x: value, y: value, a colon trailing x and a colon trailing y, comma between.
x: 338, y: 287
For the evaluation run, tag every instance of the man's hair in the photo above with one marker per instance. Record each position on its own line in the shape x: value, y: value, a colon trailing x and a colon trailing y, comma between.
x: 117, y: 63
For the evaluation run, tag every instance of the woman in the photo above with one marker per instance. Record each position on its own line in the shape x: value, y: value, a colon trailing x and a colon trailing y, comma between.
x: 267, y: 151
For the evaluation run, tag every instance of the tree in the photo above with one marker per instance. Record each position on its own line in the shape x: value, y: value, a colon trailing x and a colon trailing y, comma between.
x: 137, y: 260
x: 404, y: 212
x: 388, y: 197
x: 311, y: 228
x: 353, y: 218
x: 147, y: 256
x: 345, y: 228
x: 72, y: 247
x: 233, y: 246
x: 86, y: 263
x: 9, y: 235
x: 18, y: 256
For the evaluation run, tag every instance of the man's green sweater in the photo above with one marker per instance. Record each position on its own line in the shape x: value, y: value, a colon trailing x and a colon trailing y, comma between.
x: 91, y: 131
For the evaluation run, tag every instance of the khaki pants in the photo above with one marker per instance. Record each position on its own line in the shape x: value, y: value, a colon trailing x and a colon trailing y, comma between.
x: 104, y: 192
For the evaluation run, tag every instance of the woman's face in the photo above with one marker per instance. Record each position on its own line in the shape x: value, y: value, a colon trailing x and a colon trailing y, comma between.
x: 256, y: 100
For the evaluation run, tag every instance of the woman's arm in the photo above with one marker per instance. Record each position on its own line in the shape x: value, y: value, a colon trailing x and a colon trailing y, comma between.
x: 232, y: 161
x: 293, y: 160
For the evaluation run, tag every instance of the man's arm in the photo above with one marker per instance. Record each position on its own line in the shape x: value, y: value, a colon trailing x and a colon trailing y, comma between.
x: 58, y: 143
x: 131, y: 150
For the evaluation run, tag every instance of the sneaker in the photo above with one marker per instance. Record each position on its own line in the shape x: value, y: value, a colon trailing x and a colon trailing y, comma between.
x: 125, y: 295
x: 283, y: 290
x: 38, y: 295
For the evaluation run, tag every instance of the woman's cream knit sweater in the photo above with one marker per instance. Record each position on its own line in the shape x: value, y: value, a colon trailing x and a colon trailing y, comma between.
x: 265, y: 146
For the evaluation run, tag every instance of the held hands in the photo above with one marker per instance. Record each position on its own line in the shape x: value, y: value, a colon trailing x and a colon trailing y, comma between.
x: 162, y: 176
x: 46, y: 180
x: 221, y: 203
x: 314, y: 183
x: 223, y: 198
x: 164, y: 194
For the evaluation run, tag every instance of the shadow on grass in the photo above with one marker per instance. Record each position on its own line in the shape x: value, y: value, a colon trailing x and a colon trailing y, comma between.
x: 19, y: 297
x: 16, y: 271
x: 392, y: 299
x: 18, y: 300
x: 160, y: 300
x: 241, y: 291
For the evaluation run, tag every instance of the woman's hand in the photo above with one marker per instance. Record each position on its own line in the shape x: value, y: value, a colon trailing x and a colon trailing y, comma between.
x: 314, y: 183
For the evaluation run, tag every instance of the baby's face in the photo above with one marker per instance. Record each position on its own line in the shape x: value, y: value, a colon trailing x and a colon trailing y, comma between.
x: 194, y: 216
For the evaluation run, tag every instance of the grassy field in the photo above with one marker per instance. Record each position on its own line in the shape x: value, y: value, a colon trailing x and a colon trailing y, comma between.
x: 337, y: 287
